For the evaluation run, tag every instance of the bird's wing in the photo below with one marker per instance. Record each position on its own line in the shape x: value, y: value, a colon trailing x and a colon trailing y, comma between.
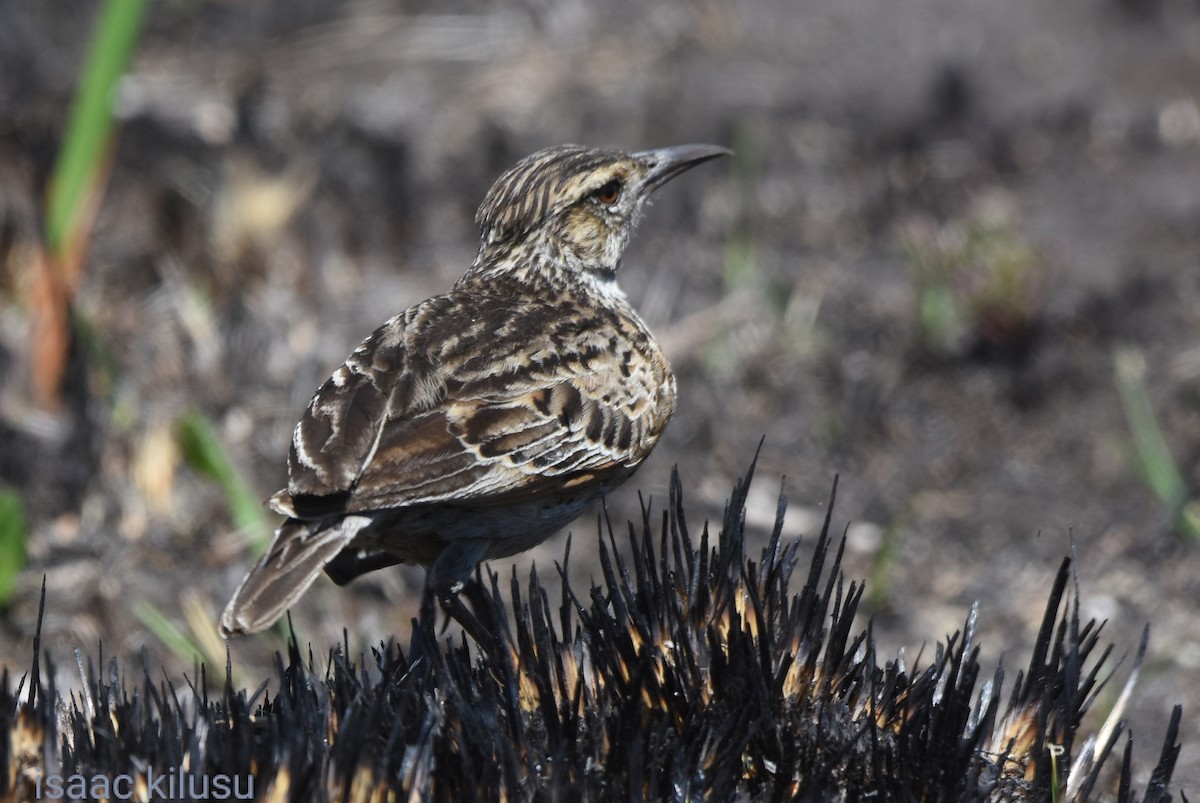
x: 420, y: 419
x: 488, y: 450
x: 336, y: 437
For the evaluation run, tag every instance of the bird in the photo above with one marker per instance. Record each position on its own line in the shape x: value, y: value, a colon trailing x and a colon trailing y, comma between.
x: 477, y: 423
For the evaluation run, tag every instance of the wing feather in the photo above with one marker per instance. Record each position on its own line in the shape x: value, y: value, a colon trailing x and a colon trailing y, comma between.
x: 403, y: 422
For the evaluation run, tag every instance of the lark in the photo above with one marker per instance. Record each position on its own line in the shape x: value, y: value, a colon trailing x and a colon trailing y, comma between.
x: 478, y: 423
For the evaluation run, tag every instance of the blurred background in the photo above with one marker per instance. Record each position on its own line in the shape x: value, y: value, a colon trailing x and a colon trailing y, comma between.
x: 955, y: 261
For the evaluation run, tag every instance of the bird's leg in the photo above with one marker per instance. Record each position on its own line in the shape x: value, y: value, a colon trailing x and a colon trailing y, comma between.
x: 427, y: 616
x: 456, y: 609
x: 425, y: 633
x: 424, y: 640
x: 450, y: 574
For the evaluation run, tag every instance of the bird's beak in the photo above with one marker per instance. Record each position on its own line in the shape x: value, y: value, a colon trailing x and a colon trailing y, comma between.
x: 664, y: 164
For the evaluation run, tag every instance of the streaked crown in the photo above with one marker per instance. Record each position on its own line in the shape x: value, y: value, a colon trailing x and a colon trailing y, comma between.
x: 575, y: 206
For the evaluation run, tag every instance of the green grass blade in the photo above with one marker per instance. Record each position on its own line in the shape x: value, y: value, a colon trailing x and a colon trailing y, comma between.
x: 203, y: 451
x: 90, y: 126
x: 13, y: 532
x: 1157, y: 465
x: 179, y: 644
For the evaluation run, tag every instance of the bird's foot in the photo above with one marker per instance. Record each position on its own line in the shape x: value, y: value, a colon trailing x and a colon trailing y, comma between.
x: 450, y: 599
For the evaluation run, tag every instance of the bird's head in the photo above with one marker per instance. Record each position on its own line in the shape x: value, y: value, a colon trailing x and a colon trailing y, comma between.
x: 574, y: 207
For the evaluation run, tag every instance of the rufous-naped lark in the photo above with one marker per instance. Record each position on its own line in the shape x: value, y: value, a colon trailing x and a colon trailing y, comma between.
x: 475, y: 424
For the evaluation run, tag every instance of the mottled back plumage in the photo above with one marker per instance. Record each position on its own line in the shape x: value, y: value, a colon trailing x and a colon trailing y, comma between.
x: 477, y: 423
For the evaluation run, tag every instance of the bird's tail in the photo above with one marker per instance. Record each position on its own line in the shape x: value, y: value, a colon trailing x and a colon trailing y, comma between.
x: 299, y: 552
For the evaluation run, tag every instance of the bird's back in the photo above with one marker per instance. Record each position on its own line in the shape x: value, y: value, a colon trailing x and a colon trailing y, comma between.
x: 498, y: 395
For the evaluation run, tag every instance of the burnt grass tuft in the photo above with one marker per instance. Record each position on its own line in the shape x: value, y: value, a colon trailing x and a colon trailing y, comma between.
x: 692, y: 671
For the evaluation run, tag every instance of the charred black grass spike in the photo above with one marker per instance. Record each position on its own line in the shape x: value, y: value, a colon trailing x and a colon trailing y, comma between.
x: 689, y: 672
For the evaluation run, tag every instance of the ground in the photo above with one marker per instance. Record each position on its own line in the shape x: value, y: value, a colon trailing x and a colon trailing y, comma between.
x: 943, y: 223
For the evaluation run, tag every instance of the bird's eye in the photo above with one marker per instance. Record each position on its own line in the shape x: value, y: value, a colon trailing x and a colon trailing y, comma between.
x: 609, y: 193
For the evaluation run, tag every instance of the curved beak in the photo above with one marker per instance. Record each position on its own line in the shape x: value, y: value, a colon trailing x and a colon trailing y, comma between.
x: 664, y: 164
